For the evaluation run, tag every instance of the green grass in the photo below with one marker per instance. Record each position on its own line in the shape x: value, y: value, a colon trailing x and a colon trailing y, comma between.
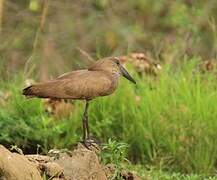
x: 154, y: 174
x: 172, y: 128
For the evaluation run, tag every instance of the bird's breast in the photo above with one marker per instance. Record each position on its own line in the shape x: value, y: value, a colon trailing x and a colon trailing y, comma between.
x: 111, y: 86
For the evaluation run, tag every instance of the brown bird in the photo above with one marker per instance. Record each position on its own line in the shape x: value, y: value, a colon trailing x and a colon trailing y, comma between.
x: 100, y: 79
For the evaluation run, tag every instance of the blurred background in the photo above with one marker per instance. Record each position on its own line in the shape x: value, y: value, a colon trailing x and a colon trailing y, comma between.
x: 168, y: 121
x: 36, y: 34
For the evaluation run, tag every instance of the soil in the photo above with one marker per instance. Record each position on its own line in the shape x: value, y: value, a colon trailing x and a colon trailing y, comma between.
x: 15, y: 166
x: 79, y: 164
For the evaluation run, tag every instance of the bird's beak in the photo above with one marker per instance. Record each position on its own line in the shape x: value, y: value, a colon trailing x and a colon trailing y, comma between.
x: 126, y: 74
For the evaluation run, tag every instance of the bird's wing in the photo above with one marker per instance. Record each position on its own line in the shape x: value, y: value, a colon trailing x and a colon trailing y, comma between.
x: 83, y: 85
x: 89, y: 85
x: 70, y: 74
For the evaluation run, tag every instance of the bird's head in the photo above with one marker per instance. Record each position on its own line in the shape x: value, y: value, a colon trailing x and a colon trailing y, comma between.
x: 111, y: 65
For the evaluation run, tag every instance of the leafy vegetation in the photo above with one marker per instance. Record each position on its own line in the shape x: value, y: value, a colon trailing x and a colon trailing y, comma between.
x: 168, y: 122
x: 115, y: 153
x: 42, y: 37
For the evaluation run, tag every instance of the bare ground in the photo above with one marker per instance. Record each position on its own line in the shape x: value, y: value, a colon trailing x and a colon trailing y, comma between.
x: 78, y: 164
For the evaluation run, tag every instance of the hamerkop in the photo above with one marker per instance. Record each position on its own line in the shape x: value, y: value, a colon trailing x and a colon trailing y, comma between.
x: 100, y: 79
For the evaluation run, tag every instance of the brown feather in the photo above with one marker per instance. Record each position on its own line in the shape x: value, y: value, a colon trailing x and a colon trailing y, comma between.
x: 76, y: 85
x: 100, y: 79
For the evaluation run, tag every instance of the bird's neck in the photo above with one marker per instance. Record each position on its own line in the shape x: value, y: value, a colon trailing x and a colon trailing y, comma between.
x: 114, y: 75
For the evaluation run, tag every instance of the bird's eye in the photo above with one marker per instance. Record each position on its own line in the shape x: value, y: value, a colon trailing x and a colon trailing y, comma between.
x: 117, y: 61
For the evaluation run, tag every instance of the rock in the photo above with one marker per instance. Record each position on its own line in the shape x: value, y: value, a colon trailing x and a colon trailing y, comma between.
x: 14, y: 166
x: 37, y: 159
x: 81, y: 164
x: 53, y: 169
x: 46, y: 166
x: 129, y: 175
x: 109, y: 170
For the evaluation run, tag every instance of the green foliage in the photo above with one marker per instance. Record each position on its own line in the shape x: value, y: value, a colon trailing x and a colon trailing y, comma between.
x: 115, y: 153
x: 169, y: 122
x: 102, y: 28
x: 25, y: 123
x: 156, y: 175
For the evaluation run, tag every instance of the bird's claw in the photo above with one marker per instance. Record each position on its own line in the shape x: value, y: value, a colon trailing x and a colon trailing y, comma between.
x: 91, y: 144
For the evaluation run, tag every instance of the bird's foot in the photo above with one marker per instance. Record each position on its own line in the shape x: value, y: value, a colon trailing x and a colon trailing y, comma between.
x: 91, y: 144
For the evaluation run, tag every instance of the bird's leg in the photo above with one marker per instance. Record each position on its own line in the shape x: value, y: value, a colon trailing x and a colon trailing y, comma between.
x: 84, y: 129
x: 84, y: 121
x: 86, y: 134
x: 87, y: 121
x: 87, y: 140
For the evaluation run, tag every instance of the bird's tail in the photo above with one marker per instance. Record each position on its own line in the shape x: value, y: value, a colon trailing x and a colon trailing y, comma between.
x: 41, y: 90
x: 28, y: 91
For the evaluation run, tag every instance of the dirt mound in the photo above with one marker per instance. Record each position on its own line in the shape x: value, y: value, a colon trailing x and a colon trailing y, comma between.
x: 14, y: 166
x: 79, y: 164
